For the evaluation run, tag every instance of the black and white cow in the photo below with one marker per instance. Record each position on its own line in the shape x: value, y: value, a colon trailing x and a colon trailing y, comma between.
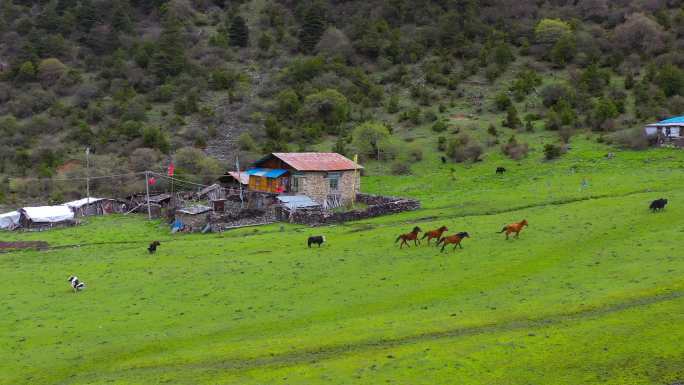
x: 76, y: 284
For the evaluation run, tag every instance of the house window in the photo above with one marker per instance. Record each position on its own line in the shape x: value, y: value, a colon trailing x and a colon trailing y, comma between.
x: 334, y: 181
x: 297, y: 183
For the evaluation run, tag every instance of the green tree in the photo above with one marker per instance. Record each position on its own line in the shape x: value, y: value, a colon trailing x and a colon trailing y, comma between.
x: 368, y: 138
x: 502, y: 101
x: 594, y: 79
x: 313, y: 27
x: 238, y: 32
x: 153, y: 137
x: 549, y: 31
x: 169, y: 59
x: 604, y: 110
x: 512, y: 119
x: 288, y: 103
x: 50, y: 70
x: 671, y: 80
x: 86, y: 14
x: 328, y: 106
x: 265, y: 41
x: 27, y: 72
x: 564, y: 50
x: 503, y: 55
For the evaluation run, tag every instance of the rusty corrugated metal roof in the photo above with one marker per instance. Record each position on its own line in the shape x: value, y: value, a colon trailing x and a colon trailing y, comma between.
x: 242, y: 176
x: 317, y: 161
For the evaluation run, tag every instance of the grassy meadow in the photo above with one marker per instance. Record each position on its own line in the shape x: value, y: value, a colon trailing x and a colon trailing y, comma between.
x: 591, y: 293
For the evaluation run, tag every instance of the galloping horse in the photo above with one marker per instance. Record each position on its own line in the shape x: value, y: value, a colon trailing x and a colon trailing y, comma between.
x: 514, y: 228
x: 412, y: 236
x: 435, y: 234
x: 453, y: 240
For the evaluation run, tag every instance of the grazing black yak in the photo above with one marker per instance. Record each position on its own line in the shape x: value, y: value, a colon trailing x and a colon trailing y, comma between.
x: 500, y: 170
x: 658, y: 204
x: 153, y: 247
x: 319, y: 239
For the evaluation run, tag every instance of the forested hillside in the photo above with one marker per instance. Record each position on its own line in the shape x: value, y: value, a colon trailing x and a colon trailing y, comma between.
x: 142, y: 81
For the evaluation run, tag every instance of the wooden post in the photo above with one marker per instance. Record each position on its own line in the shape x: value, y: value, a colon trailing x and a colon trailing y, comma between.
x: 88, y: 173
x: 147, y: 188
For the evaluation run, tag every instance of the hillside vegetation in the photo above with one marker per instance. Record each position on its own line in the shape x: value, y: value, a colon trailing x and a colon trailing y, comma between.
x: 140, y: 82
x: 591, y: 292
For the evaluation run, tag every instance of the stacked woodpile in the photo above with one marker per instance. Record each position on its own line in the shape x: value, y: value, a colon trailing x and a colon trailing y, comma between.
x: 377, y: 205
x: 240, y: 218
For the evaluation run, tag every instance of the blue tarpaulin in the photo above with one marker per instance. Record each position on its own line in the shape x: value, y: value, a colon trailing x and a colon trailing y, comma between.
x: 675, y: 120
x: 267, y: 172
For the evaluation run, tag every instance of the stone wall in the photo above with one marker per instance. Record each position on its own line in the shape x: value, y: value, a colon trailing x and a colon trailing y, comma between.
x: 317, y: 186
x: 377, y: 206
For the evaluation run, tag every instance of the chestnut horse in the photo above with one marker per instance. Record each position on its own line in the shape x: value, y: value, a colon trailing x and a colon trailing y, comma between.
x: 435, y: 234
x: 412, y: 236
x: 514, y: 228
x: 453, y: 240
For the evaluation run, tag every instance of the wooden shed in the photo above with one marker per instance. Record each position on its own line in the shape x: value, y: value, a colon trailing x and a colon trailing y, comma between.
x: 193, y: 218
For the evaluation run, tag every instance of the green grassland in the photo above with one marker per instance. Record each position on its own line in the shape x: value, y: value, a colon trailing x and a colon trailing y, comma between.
x: 591, y: 293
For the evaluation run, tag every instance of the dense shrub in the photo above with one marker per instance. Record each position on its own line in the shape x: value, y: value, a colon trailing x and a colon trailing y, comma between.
x: 246, y: 142
x: 552, y: 151
x: 462, y: 148
x: 633, y: 139
x: 400, y: 168
x: 441, y: 143
x: 328, y: 107
x: 440, y: 126
x: 515, y: 150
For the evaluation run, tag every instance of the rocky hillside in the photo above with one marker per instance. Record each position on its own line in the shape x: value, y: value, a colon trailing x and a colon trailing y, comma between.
x: 142, y: 81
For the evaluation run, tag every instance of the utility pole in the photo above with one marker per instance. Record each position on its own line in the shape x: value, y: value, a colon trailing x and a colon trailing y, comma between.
x: 147, y: 188
x: 237, y: 165
x: 88, y: 173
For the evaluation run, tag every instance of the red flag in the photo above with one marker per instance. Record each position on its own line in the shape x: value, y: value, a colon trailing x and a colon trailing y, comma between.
x: 151, y: 181
x: 171, y: 169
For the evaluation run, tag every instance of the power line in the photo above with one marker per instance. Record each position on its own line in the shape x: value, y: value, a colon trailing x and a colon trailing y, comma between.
x: 77, y: 178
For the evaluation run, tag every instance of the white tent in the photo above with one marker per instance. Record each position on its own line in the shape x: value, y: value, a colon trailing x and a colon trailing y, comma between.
x: 9, y: 221
x: 48, y: 214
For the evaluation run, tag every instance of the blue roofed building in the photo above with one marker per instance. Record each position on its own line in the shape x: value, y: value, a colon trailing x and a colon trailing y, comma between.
x: 668, y: 131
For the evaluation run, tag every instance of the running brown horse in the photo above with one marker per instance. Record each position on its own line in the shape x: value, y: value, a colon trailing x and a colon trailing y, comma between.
x: 412, y: 236
x: 514, y: 228
x: 435, y: 234
x: 453, y: 240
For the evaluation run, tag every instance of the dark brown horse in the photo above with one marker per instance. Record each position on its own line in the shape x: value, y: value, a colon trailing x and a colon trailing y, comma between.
x: 453, y: 240
x: 412, y: 236
x: 435, y: 234
x: 514, y: 228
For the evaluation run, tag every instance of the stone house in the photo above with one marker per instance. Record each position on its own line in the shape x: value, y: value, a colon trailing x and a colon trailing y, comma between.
x: 328, y: 178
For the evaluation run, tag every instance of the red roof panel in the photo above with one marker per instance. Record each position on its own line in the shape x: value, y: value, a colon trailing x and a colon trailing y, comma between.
x: 317, y: 161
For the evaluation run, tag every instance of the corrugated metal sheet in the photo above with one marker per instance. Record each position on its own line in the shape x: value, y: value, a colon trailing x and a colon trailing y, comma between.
x: 297, y: 201
x: 243, y: 177
x: 194, y: 210
x: 316, y: 161
x: 82, y: 202
x: 267, y: 172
